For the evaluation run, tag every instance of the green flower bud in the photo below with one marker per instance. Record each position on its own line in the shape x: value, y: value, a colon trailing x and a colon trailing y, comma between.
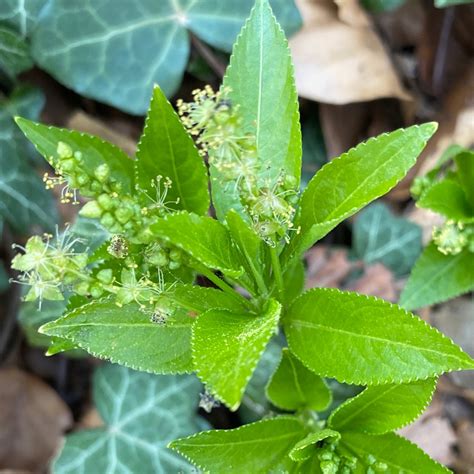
x: 68, y: 165
x: 173, y: 265
x: 380, y: 467
x: 329, y: 467
x: 81, y: 288
x: 83, y: 179
x: 450, y: 238
x: 105, y: 276
x: 107, y: 220
x: 96, y: 186
x: 105, y: 202
x: 64, y: 150
x: 96, y: 291
x: 102, y: 172
x: 176, y: 255
x: 123, y: 214
x: 91, y: 209
x: 419, y: 186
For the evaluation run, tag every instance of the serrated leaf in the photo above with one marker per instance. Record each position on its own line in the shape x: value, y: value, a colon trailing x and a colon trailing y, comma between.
x: 124, y: 51
x: 447, y: 198
x: 251, y: 248
x: 255, y: 404
x: 397, y: 453
x: 437, y: 277
x: 370, y: 170
x: 95, y: 151
x: 23, y: 199
x: 294, y: 387
x: 379, y: 236
x: 165, y: 149
x: 294, y: 278
x: 203, y: 238
x: 254, y: 448
x: 14, y: 52
x: 142, y: 413
x: 378, y: 410
x: 200, y: 299
x: 21, y: 14
x: 58, y: 345
x: 377, y: 342
x: 261, y: 81
x: 227, y: 346
x: 465, y: 165
x: 306, y: 448
x: 128, y: 336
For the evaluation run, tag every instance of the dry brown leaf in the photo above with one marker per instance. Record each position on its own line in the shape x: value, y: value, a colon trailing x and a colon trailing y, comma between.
x: 32, y: 421
x: 377, y: 280
x: 327, y: 268
x: 338, y: 63
x: 432, y: 433
x: 88, y: 124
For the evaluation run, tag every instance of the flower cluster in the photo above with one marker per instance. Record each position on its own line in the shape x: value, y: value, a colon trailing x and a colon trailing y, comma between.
x: 453, y: 237
x: 218, y: 127
x: 331, y: 462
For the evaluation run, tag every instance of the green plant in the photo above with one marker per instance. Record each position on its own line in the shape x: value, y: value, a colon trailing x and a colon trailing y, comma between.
x: 445, y: 269
x: 137, y: 303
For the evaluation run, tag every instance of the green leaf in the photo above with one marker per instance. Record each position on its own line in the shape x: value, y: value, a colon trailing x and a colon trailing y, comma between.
x: 306, y: 448
x: 260, y: 77
x: 448, y: 3
x: 24, y: 200
x: 128, y: 336
x: 254, y: 448
x: 199, y: 299
x: 447, y: 198
x: 95, y: 151
x: 350, y: 182
x: 397, y: 453
x: 58, y: 345
x: 294, y: 387
x: 124, y: 51
x: 465, y: 164
x: 379, y: 236
x: 14, y: 52
x: 251, y: 248
x: 378, y: 6
x: 203, y: 238
x: 20, y: 14
x: 384, y: 408
x: 227, y: 347
x: 255, y: 404
x: 90, y: 232
x: 166, y: 149
x: 437, y: 277
x: 376, y: 342
x: 142, y: 413
x: 294, y: 278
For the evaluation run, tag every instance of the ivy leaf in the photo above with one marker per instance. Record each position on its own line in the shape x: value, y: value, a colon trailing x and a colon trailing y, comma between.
x: 14, y: 52
x: 379, y: 236
x: 90, y: 232
x: 306, y: 448
x: 128, y: 336
x: 377, y: 342
x: 397, y: 453
x: 447, y: 198
x: 384, y: 408
x: 449, y: 3
x: 166, y: 149
x: 23, y: 199
x: 255, y: 404
x: 294, y: 387
x: 203, y: 238
x: 465, y: 164
x: 227, y: 346
x: 370, y: 170
x: 255, y: 448
x: 95, y: 151
x: 437, y: 277
x: 124, y: 51
x: 142, y: 413
x: 20, y: 14
x: 261, y: 81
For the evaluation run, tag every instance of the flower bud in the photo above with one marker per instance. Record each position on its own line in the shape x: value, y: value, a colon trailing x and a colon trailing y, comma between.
x: 105, y: 202
x: 107, y: 220
x: 105, y: 276
x: 91, y: 209
x: 64, y: 151
x: 102, y: 172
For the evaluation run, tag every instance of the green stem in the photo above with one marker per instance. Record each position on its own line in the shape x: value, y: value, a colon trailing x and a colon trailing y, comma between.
x: 258, y: 277
x: 277, y: 270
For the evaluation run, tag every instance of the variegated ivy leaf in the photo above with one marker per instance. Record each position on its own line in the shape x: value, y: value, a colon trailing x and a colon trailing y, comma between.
x: 376, y: 342
x: 256, y: 448
x: 21, y: 14
x: 128, y: 47
x: 227, y: 346
x: 141, y: 414
x: 437, y: 277
x: 261, y: 81
x: 14, y: 53
x: 384, y: 408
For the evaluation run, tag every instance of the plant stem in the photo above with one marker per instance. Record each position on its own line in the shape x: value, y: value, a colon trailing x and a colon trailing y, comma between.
x: 258, y: 277
x: 277, y: 270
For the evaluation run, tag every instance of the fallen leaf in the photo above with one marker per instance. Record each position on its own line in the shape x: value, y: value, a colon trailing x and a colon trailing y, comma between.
x: 327, y: 268
x: 377, y: 280
x: 32, y: 421
x: 338, y: 63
